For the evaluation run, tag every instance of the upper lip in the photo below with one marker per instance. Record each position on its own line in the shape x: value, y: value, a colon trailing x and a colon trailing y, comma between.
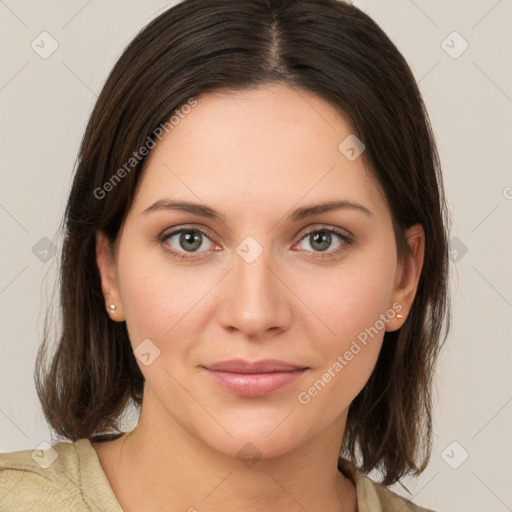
x: 263, y: 366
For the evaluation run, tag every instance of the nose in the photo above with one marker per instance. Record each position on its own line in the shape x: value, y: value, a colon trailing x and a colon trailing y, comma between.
x: 255, y: 299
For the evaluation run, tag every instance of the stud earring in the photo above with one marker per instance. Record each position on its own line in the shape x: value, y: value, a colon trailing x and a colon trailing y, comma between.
x: 112, y: 308
x: 399, y: 316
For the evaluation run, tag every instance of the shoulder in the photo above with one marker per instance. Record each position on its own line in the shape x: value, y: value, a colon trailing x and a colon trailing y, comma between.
x: 387, y: 499
x: 40, y: 479
x: 374, y: 497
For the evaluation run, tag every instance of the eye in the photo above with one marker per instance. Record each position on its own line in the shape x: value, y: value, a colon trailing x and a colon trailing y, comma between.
x: 184, y: 243
x: 321, y: 239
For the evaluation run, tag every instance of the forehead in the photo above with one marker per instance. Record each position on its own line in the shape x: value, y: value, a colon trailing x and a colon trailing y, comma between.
x: 270, y: 146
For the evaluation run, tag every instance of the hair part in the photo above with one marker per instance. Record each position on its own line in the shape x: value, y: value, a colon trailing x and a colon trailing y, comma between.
x: 325, y: 47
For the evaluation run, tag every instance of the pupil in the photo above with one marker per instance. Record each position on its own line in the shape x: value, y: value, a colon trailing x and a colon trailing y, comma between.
x: 324, y: 240
x: 189, y: 237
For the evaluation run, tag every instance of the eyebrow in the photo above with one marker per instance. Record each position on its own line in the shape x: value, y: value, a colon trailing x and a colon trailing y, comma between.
x: 296, y: 215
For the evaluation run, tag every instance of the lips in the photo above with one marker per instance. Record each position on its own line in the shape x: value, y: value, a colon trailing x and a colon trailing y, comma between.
x: 241, y: 366
x: 253, y: 379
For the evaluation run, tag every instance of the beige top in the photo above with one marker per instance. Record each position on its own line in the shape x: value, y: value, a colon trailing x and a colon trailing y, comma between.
x: 68, y: 477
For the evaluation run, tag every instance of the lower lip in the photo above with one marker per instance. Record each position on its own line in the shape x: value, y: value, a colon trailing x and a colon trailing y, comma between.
x: 255, y: 384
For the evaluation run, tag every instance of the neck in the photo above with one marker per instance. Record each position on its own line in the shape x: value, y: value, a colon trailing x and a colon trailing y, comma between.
x: 160, y: 464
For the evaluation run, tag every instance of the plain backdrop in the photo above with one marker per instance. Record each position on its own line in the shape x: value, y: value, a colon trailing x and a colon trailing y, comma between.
x: 460, y: 52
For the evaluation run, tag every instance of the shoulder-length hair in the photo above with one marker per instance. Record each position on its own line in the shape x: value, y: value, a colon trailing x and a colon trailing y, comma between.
x: 326, y: 47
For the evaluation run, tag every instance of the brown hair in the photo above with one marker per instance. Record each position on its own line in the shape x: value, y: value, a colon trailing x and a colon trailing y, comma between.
x: 326, y: 47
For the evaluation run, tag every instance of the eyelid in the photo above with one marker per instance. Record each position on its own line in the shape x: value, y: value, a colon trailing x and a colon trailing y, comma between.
x: 320, y: 227
x: 184, y: 227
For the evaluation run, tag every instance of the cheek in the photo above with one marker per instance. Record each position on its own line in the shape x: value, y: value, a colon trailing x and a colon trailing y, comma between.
x: 350, y: 297
x: 158, y: 300
x: 331, y: 390
x: 355, y: 306
x: 349, y: 356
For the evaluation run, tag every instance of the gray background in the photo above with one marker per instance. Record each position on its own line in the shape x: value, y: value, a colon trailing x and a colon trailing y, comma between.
x: 45, y: 103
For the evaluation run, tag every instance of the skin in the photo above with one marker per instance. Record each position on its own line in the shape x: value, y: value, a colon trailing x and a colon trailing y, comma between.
x: 252, y: 156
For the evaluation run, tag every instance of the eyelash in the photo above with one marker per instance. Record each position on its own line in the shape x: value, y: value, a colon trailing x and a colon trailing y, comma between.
x: 347, y: 240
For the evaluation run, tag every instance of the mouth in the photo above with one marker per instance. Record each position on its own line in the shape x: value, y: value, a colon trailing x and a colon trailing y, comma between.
x: 253, y: 379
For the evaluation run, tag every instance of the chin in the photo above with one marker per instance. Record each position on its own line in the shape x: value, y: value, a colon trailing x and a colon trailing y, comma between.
x: 250, y: 448
x: 255, y: 433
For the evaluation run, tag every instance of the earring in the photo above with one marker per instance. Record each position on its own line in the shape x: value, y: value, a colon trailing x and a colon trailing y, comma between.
x: 399, y: 316
x: 112, y: 308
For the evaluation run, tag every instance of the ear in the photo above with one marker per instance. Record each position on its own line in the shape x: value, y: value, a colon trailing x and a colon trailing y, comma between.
x: 106, y: 261
x: 407, y: 277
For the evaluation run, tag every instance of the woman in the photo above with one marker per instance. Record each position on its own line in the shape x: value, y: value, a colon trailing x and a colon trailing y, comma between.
x: 255, y: 254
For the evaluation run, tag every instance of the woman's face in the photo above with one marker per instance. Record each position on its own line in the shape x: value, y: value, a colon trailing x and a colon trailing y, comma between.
x: 257, y: 281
